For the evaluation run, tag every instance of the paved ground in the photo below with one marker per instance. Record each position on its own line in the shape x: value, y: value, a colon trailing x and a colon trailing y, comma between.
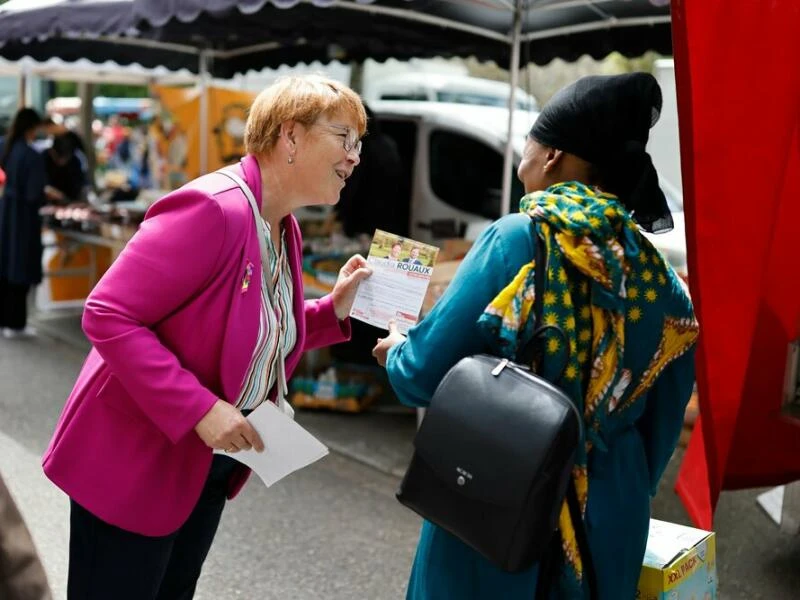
x: 331, y: 531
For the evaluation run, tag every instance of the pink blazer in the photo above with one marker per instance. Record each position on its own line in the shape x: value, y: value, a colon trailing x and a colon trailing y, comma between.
x: 173, y: 324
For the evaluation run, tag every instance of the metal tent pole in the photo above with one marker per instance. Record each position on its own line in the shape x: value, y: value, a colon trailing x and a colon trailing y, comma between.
x: 86, y: 94
x: 508, y: 162
x: 204, y: 57
x: 22, y: 88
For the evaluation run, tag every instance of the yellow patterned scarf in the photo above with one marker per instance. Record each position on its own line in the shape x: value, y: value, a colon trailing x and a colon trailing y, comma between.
x: 598, y: 261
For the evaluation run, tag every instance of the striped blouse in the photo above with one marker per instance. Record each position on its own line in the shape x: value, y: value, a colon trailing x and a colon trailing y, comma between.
x: 276, y: 325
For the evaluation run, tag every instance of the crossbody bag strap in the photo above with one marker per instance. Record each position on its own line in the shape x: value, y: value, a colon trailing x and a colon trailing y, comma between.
x: 540, y: 270
x: 528, y: 353
x: 551, y: 563
x: 283, y: 388
x: 580, y: 537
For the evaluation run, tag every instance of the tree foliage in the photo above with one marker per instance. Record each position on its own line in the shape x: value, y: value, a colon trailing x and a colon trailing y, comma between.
x: 113, y: 90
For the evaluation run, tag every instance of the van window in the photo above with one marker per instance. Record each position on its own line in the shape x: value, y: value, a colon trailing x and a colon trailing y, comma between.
x: 468, y: 174
x: 408, y: 96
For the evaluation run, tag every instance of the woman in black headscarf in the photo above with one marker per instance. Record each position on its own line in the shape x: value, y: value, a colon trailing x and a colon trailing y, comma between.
x: 628, y: 325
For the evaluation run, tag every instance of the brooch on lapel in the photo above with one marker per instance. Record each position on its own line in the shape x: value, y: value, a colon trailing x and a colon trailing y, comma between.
x: 248, y: 274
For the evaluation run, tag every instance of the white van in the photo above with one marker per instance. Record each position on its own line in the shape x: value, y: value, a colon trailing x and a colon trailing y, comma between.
x: 453, y: 163
x: 438, y: 87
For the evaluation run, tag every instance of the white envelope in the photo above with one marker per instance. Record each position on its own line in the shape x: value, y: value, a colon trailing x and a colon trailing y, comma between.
x: 287, y: 446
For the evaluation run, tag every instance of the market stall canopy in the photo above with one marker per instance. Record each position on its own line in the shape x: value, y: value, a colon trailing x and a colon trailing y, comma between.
x: 239, y: 35
x: 85, y: 70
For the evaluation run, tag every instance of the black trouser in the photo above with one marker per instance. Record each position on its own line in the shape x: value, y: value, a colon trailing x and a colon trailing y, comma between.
x: 13, y: 305
x: 108, y: 562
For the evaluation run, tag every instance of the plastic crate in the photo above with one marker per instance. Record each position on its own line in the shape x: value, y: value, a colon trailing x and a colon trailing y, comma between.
x: 340, y: 388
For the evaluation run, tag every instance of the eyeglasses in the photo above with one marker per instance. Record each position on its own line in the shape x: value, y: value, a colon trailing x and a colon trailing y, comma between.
x: 350, y: 139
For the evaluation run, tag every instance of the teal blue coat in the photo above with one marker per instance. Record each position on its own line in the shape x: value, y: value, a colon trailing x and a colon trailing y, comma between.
x: 622, y: 478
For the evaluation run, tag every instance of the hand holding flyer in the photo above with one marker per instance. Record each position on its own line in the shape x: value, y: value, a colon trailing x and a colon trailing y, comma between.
x: 401, y: 272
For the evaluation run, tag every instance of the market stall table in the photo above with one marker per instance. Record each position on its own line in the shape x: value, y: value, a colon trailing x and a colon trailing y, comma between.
x: 77, y: 240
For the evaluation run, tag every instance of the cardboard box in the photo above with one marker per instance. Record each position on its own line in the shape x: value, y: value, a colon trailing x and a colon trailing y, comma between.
x: 443, y: 273
x: 452, y: 249
x: 680, y: 563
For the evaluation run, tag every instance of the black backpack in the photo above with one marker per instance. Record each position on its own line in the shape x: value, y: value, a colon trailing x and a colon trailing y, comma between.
x: 493, y: 459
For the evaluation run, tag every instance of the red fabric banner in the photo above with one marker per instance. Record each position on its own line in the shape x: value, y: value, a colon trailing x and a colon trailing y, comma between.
x: 739, y: 109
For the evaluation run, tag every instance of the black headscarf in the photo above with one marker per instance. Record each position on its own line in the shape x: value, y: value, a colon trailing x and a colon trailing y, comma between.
x: 606, y: 121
